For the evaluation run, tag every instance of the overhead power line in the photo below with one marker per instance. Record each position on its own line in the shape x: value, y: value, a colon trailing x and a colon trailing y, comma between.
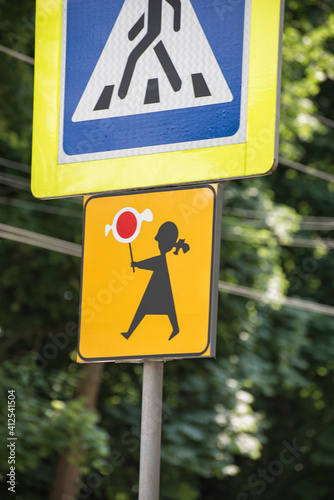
x: 23, y: 183
x: 288, y: 163
x: 264, y: 297
x: 31, y: 60
x: 306, y: 170
x: 22, y: 167
x: 17, y: 55
x: 257, y: 219
x: 68, y: 248
x: 41, y: 207
x: 15, y: 181
x: 317, y: 226
x: 261, y: 214
x: 324, y: 120
x: 262, y: 224
x: 307, y: 223
x: 39, y: 240
x: 293, y: 242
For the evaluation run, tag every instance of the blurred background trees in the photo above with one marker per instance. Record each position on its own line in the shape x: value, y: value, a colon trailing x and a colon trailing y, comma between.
x: 257, y: 422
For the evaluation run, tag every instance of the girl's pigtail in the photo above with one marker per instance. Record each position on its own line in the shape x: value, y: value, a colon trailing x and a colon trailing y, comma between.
x: 181, y: 244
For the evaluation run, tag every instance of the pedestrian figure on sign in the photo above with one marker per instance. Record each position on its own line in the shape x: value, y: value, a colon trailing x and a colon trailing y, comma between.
x: 154, y: 21
x: 158, y: 297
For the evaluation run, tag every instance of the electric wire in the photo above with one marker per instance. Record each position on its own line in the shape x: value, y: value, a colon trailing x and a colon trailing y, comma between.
x: 62, y: 246
x: 306, y: 170
x: 17, y: 55
x: 268, y: 298
x: 24, y: 184
x: 31, y: 60
x: 288, y: 163
x: 260, y: 214
x: 228, y: 233
x: 15, y: 181
x: 307, y: 223
x: 324, y: 120
x: 302, y: 226
x: 39, y: 240
x: 74, y: 249
x: 22, y: 167
x: 39, y: 207
x: 293, y: 242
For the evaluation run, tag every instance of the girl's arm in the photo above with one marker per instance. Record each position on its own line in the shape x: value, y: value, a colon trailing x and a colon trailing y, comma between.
x: 149, y: 264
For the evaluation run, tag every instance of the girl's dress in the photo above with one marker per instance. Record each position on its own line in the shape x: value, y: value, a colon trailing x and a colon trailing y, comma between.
x: 158, y: 296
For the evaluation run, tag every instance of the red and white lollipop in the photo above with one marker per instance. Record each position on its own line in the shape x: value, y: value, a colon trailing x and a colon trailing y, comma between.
x: 126, y: 225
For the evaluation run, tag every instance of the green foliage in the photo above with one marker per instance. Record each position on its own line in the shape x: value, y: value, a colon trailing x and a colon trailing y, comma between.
x: 48, y: 420
x: 229, y: 423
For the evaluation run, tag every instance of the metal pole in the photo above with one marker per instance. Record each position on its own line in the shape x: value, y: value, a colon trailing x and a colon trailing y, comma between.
x: 150, y: 442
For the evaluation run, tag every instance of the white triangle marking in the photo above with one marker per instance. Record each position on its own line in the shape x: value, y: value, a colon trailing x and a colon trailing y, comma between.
x: 187, y: 48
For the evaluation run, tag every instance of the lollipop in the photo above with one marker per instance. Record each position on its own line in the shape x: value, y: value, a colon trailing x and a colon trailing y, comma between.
x: 126, y: 225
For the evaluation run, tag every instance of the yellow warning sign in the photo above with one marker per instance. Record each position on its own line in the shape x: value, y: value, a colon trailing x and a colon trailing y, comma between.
x: 150, y: 274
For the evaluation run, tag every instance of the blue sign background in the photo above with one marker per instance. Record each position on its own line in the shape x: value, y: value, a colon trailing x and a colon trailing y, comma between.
x: 89, y: 24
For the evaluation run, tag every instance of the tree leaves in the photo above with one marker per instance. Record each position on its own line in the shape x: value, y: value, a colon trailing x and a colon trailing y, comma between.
x: 224, y: 420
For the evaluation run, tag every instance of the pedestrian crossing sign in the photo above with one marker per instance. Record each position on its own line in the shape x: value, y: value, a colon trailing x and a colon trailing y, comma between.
x: 150, y: 265
x: 144, y: 93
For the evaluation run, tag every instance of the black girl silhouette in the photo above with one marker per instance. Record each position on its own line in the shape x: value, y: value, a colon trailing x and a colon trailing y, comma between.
x: 158, y: 296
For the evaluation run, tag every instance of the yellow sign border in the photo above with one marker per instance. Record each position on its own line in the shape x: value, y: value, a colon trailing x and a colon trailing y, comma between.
x: 258, y: 156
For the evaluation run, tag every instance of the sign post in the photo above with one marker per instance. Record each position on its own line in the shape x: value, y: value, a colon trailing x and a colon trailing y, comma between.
x: 150, y: 440
x: 147, y: 94
x: 171, y: 313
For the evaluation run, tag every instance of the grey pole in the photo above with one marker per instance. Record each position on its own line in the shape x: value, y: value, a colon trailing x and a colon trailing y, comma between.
x: 150, y: 441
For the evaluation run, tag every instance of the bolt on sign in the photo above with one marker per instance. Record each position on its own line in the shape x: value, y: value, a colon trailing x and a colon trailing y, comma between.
x: 150, y: 274
x: 144, y: 93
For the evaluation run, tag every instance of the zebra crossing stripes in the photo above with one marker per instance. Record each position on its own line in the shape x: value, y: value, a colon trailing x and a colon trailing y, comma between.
x: 152, y: 91
x: 105, y: 98
x: 152, y: 94
x: 200, y: 87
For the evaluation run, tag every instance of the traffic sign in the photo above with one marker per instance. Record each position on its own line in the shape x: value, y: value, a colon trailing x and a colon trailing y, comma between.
x: 155, y: 79
x: 142, y: 93
x: 158, y: 300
